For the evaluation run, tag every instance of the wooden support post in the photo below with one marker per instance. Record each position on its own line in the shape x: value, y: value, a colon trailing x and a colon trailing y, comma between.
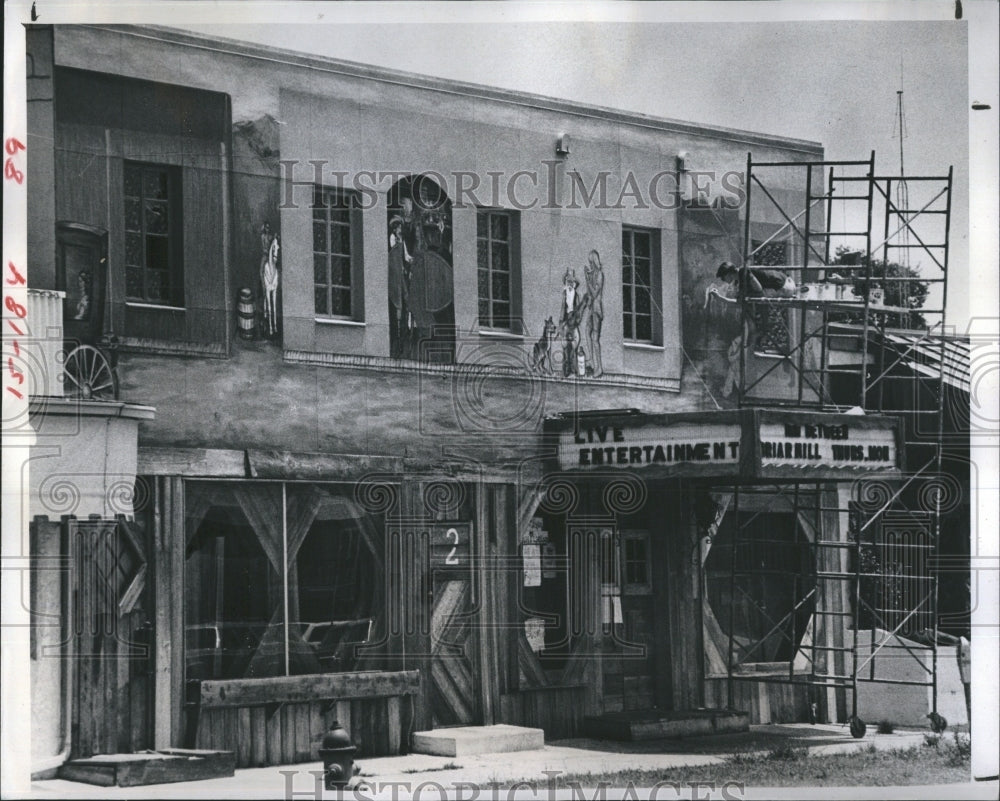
x: 660, y: 576
x: 175, y: 543
x: 162, y: 593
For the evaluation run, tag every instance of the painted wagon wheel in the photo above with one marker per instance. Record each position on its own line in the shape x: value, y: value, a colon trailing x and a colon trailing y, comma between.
x: 87, y: 375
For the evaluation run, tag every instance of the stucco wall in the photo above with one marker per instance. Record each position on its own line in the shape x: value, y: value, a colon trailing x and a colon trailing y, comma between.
x: 353, y: 118
x: 84, y: 460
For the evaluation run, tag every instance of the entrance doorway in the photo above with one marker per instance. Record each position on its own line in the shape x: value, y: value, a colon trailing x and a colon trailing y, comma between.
x: 455, y: 675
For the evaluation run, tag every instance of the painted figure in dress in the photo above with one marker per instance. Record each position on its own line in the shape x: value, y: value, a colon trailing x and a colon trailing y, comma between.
x: 594, y: 311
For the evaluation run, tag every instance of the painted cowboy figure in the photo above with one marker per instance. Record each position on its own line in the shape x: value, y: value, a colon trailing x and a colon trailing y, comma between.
x: 570, y: 317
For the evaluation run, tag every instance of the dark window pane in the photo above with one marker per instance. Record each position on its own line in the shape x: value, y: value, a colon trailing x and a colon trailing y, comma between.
x: 320, y: 299
x: 319, y: 269
x: 626, y: 243
x: 341, y: 301
x: 157, y: 285
x: 642, y: 302
x: 484, y: 311
x: 133, y: 248
x: 156, y: 218
x: 133, y: 282
x: 232, y: 593
x: 642, y: 246
x: 627, y: 299
x: 319, y: 237
x: 340, y: 271
x: 484, y: 283
x: 133, y: 181
x: 499, y: 226
x: 501, y: 315
x: 133, y: 221
x: 340, y: 239
x: 501, y: 287
x: 157, y: 253
x: 482, y: 254
x: 155, y: 184
x: 643, y: 329
x: 341, y: 215
x: 500, y: 256
x: 642, y: 273
x: 482, y: 221
x: 627, y: 326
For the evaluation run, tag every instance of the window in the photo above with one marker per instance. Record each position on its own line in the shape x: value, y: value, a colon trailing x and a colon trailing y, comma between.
x: 279, y: 580
x: 497, y: 253
x: 153, y: 272
x: 635, y: 560
x: 641, y: 319
x: 337, y: 254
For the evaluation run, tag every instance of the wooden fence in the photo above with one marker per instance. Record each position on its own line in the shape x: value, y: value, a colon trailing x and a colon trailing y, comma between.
x: 282, y: 720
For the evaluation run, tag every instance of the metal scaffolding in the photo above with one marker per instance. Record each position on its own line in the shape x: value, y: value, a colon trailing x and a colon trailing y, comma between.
x: 845, y: 338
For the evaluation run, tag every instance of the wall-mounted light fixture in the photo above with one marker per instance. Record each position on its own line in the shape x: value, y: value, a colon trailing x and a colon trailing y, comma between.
x: 682, y: 158
x: 562, y: 145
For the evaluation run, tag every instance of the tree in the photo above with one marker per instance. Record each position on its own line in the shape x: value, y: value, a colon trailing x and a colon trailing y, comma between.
x: 909, y: 294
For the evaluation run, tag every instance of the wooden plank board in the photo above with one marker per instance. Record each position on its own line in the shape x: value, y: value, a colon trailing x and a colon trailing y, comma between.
x: 258, y: 736
x: 191, y: 462
x: 302, y: 689
x: 162, y: 591
x: 393, y: 724
x: 317, y: 466
x: 287, y: 715
x: 244, y: 738
x: 272, y: 733
x: 316, y: 729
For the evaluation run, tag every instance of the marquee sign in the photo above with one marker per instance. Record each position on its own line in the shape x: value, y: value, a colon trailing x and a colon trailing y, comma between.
x: 761, y: 443
x: 683, y: 443
x: 835, y: 445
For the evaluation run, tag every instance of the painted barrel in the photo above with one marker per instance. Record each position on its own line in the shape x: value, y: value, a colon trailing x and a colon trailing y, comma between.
x: 246, y: 314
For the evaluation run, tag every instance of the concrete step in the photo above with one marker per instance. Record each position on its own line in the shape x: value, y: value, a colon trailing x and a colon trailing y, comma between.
x: 463, y: 740
x: 654, y: 724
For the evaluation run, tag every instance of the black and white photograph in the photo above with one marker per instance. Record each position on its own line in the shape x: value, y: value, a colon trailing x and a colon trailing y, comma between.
x: 501, y: 400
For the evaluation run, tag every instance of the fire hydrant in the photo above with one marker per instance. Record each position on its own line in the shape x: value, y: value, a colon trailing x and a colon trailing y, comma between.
x: 337, y: 753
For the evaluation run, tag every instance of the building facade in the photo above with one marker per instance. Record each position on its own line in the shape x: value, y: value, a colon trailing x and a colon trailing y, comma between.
x: 445, y: 420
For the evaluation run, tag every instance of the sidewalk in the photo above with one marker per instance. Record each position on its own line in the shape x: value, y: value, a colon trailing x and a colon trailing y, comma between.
x: 403, y: 776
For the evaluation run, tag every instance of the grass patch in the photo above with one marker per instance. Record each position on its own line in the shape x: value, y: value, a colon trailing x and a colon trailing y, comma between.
x: 947, y: 763
x: 445, y: 766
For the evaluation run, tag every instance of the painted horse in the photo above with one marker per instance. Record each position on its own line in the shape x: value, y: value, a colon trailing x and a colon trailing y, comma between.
x: 269, y: 282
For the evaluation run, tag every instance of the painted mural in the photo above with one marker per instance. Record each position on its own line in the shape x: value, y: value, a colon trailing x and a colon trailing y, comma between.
x: 715, y: 331
x: 572, y: 346
x: 270, y: 278
x: 420, y: 278
x: 256, y: 192
x: 709, y: 236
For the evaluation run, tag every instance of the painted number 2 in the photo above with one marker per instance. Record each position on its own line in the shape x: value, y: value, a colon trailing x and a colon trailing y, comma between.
x: 451, y: 559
